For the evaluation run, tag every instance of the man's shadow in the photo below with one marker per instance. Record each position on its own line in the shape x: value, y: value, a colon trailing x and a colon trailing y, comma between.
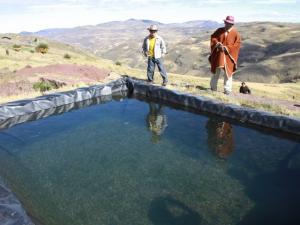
x: 169, y: 211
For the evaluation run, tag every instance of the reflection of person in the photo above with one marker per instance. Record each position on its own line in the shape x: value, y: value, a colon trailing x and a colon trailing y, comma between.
x: 220, y: 137
x: 154, y: 48
x: 156, y: 121
x: 244, y: 89
x: 225, y: 46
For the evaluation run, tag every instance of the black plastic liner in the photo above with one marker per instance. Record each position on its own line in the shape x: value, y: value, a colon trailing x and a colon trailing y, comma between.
x: 12, y: 121
x: 11, y: 211
x: 207, y: 105
x: 24, y: 107
x: 51, y: 104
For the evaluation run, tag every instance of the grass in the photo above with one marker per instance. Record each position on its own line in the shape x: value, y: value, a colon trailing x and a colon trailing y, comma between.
x: 185, y: 83
x: 43, y: 86
x: 270, y: 107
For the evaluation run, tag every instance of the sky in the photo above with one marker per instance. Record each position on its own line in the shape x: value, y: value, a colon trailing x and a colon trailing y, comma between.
x: 34, y: 15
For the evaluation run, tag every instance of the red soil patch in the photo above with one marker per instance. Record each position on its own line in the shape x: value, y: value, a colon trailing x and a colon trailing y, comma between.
x: 15, y: 88
x: 69, y: 73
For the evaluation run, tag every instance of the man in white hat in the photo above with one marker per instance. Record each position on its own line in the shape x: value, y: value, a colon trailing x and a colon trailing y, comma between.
x: 154, y: 48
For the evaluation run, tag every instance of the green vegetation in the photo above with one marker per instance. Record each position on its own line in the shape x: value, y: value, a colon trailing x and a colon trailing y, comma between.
x: 118, y: 63
x: 67, y: 56
x: 42, y: 48
x: 17, y: 47
x: 43, y: 86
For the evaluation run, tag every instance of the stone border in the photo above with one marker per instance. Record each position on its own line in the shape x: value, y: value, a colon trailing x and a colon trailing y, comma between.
x: 11, y: 211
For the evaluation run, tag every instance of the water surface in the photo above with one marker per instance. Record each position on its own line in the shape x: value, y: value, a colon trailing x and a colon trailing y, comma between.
x: 133, y: 162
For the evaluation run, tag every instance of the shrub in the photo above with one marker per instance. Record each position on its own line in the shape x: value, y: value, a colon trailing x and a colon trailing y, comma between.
x: 17, y: 47
x: 31, y: 51
x: 42, y: 86
x: 118, y: 63
x: 67, y: 56
x: 42, y: 48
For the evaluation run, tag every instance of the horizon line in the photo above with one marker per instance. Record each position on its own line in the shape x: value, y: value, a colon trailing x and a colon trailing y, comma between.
x: 162, y: 23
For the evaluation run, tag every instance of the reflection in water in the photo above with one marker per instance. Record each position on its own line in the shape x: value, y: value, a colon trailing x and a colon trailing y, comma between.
x: 220, y: 137
x: 156, y: 121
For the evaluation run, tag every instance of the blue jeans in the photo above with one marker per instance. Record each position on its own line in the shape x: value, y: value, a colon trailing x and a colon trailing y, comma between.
x: 151, y: 67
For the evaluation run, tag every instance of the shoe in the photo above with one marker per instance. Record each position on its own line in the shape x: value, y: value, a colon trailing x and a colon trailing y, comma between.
x: 150, y: 81
x: 164, y: 83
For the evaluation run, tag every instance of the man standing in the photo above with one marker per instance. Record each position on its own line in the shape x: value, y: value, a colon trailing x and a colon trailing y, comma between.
x: 225, y: 46
x: 154, y: 48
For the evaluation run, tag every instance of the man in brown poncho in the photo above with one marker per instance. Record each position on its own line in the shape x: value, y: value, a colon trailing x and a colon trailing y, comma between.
x: 225, y: 46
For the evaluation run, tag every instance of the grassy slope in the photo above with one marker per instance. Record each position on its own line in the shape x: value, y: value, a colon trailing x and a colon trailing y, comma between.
x: 18, y: 60
x: 270, y: 51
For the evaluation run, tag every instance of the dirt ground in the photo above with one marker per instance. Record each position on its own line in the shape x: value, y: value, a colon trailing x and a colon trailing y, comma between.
x: 69, y: 73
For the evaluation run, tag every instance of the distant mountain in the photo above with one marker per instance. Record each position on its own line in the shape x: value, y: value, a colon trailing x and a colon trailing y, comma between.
x: 270, y: 51
x: 47, y: 32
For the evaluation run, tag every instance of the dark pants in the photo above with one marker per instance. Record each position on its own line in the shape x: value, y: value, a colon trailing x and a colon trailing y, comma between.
x: 151, y: 68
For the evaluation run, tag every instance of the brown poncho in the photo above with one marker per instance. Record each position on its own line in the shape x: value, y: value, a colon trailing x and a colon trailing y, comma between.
x: 220, y: 58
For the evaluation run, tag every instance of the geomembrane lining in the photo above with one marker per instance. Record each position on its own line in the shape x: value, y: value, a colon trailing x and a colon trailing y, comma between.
x: 72, y: 99
x: 11, y: 211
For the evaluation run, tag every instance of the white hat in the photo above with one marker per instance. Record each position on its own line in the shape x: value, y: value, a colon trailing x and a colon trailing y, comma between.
x: 152, y: 27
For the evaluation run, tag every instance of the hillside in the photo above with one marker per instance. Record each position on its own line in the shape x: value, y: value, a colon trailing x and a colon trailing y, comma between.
x: 24, y: 67
x: 270, y: 51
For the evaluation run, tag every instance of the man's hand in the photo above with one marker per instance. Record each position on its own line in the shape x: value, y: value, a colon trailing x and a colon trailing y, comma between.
x: 219, y: 46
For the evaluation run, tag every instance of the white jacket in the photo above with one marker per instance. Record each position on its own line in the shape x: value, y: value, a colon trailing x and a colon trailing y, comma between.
x: 159, y: 49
